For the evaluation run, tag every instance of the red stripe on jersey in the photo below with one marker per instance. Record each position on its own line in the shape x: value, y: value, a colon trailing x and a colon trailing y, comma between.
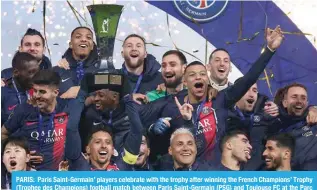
x: 60, y: 125
x: 207, y: 125
x: 31, y: 92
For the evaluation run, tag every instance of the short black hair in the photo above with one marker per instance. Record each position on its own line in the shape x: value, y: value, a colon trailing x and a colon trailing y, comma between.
x: 81, y: 27
x: 229, y: 134
x: 179, y: 54
x: 194, y: 63
x: 47, y: 77
x: 18, y: 141
x: 284, y: 140
x: 97, y: 128
x: 216, y: 50
x: 136, y: 36
x: 20, y: 59
x: 33, y: 32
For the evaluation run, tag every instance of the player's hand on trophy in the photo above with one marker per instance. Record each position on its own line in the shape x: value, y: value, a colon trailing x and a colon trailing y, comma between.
x: 274, y: 38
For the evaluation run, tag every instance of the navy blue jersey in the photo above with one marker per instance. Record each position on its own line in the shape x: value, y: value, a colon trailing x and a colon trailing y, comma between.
x: 305, y: 156
x: 219, y: 167
x: 81, y: 164
x: 6, y: 182
x: 6, y: 177
x: 47, y: 140
x: 196, y: 166
x: 117, y: 119
x: 70, y: 77
x: 10, y: 98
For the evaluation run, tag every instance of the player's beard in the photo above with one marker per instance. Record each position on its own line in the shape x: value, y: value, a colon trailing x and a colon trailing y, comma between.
x: 133, y: 65
x: 175, y: 83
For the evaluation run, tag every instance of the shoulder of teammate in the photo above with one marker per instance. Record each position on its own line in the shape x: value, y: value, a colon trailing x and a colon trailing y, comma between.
x: 17, y: 116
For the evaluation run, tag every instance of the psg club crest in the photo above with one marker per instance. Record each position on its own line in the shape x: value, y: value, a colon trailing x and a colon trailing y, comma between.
x: 61, y: 120
x: 200, y: 10
x: 206, y: 110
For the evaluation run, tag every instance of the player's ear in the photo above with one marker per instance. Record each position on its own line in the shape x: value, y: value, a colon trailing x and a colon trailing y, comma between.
x: 169, y: 150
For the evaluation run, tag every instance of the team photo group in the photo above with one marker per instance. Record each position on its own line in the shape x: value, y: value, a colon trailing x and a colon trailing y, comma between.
x: 153, y: 114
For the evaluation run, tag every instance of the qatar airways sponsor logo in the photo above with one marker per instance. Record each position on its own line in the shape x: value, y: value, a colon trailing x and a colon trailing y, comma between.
x: 49, y: 136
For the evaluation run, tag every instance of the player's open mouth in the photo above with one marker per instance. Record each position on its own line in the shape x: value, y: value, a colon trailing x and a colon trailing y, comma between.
x: 134, y: 54
x: 83, y: 46
x: 103, y: 153
x: 199, y: 85
x: 250, y: 101
x: 13, y: 163
x: 221, y: 70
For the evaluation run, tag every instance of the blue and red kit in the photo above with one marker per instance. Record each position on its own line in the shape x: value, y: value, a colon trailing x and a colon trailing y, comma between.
x: 46, y: 133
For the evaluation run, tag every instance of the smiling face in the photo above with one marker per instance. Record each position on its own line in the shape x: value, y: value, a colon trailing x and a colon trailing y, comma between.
x: 45, y: 95
x: 183, y: 150
x: 247, y: 102
x: 219, y: 66
x: 295, y: 101
x: 15, y: 158
x: 100, y: 149
x: 106, y: 98
x: 33, y: 45
x: 134, y: 52
x: 241, y: 148
x: 196, y: 80
x: 172, y: 70
x: 81, y: 43
x: 273, y: 155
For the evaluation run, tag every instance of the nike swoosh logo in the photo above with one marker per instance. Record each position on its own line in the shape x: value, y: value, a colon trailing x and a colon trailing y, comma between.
x: 64, y: 80
x: 96, y: 123
x: 10, y: 108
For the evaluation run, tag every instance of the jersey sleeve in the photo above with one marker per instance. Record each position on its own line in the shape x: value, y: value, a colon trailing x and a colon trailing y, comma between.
x: 15, y: 120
